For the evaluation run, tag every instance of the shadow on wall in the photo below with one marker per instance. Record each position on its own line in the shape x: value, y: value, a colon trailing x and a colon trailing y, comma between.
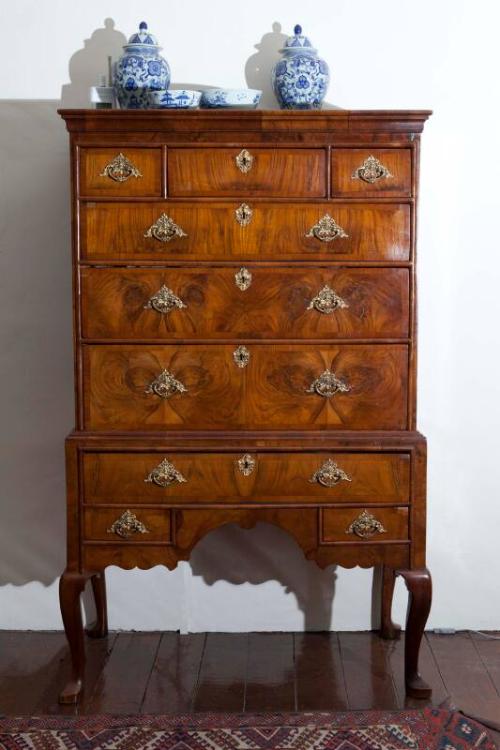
x: 259, y: 65
x: 36, y: 344
x: 267, y: 553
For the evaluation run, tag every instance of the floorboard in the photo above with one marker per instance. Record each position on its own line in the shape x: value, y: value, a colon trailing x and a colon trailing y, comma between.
x: 97, y: 653
x: 221, y: 684
x: 394, y: 656
x: 488, y: 648
x: 367, y: 671
x: 123, y: 681
x: 175, y: 673
x: 319, y: 672
x: 29, y: 663
x: 271, y: 684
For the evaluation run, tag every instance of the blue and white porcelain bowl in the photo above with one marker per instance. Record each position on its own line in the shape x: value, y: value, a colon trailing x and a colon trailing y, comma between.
x: 174, y: 99
x: 215, y: 98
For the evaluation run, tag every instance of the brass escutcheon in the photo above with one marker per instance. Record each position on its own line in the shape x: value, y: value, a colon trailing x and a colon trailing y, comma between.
x: 244, y: 161
x: 241, y: 356
x: 243, y: 215
x: 243, y: 279
x: 246, y: 464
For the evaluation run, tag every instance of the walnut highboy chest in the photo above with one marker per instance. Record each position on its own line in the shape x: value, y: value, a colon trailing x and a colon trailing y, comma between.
x: 245, y: 345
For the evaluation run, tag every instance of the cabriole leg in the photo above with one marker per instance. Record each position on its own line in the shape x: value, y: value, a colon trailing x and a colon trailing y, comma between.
x: 100, y: 627
x: 419, y: 585
x: 71, y: 586
x: 388, y: 629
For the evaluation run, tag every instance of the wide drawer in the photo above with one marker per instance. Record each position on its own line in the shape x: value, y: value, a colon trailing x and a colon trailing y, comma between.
x: 371, y: 172
x: 341, y: 525
x: 235, y: 172
x: 127, y: 524
x: 203, y: 478
x: 253, y: 302
x: 216, y: 386
x: 248, y: 230
x: 115, y: 172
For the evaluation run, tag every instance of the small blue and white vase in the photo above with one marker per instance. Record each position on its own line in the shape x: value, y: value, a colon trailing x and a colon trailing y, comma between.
x: 300, y: 79
x: 139, y: 70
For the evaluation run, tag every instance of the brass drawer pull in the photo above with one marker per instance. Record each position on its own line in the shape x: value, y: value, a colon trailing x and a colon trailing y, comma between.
x: 165, y: 385
x: 327, y: 230
x: 120, y: 169
x: 326, y: 301
x: 127, y: 525
x: 365, y: 526
x: 165, y: 229
x: 165, y: 474
x: 330, y: 474
x: 243, y: 279
x: 244, y: 215
x: 246, y: 464
x: 241, y: 356
x: 164, y: 300
x: 244, y: 161
x: 371, y: 170
x: 327, y: 385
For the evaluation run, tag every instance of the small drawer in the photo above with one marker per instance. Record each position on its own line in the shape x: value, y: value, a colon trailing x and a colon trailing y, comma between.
x: 341, y: 525
x: 371, y: 172
x: 254, y: 302
x: 175, y: 478
x: 127, y: 525
x: 259, y: 172
x: 117, y: 172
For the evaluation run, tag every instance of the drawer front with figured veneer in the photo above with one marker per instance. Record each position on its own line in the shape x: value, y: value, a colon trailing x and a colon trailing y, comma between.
x: 120, y: 172
x: 244, y: 230
x: 371, y: 173
x: 127, y: 524
x: 259, y: 386
x: 341, y: 525
x: 260, y: 172
x: 250, y: 302
x: 252, y: 477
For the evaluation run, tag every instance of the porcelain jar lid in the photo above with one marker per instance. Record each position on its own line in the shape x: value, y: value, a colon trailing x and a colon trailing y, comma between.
x: 298, y: 41
x: 143, y: 36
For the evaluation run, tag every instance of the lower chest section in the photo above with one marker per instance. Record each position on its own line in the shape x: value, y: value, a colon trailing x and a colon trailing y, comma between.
x: 151, y: 502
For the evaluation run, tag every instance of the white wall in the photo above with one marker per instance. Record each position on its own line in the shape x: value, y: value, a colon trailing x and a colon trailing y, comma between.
x: 392, y: 54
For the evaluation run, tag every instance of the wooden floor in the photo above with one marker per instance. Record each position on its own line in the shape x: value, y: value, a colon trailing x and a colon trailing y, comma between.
x: 163, y: 673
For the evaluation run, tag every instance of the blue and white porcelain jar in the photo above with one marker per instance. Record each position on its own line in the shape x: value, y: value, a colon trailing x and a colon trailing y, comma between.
x: 300, y: 79
x: 139, y: 70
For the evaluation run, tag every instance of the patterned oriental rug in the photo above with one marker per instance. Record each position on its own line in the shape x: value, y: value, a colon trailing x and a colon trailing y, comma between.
x: 427, y: 729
